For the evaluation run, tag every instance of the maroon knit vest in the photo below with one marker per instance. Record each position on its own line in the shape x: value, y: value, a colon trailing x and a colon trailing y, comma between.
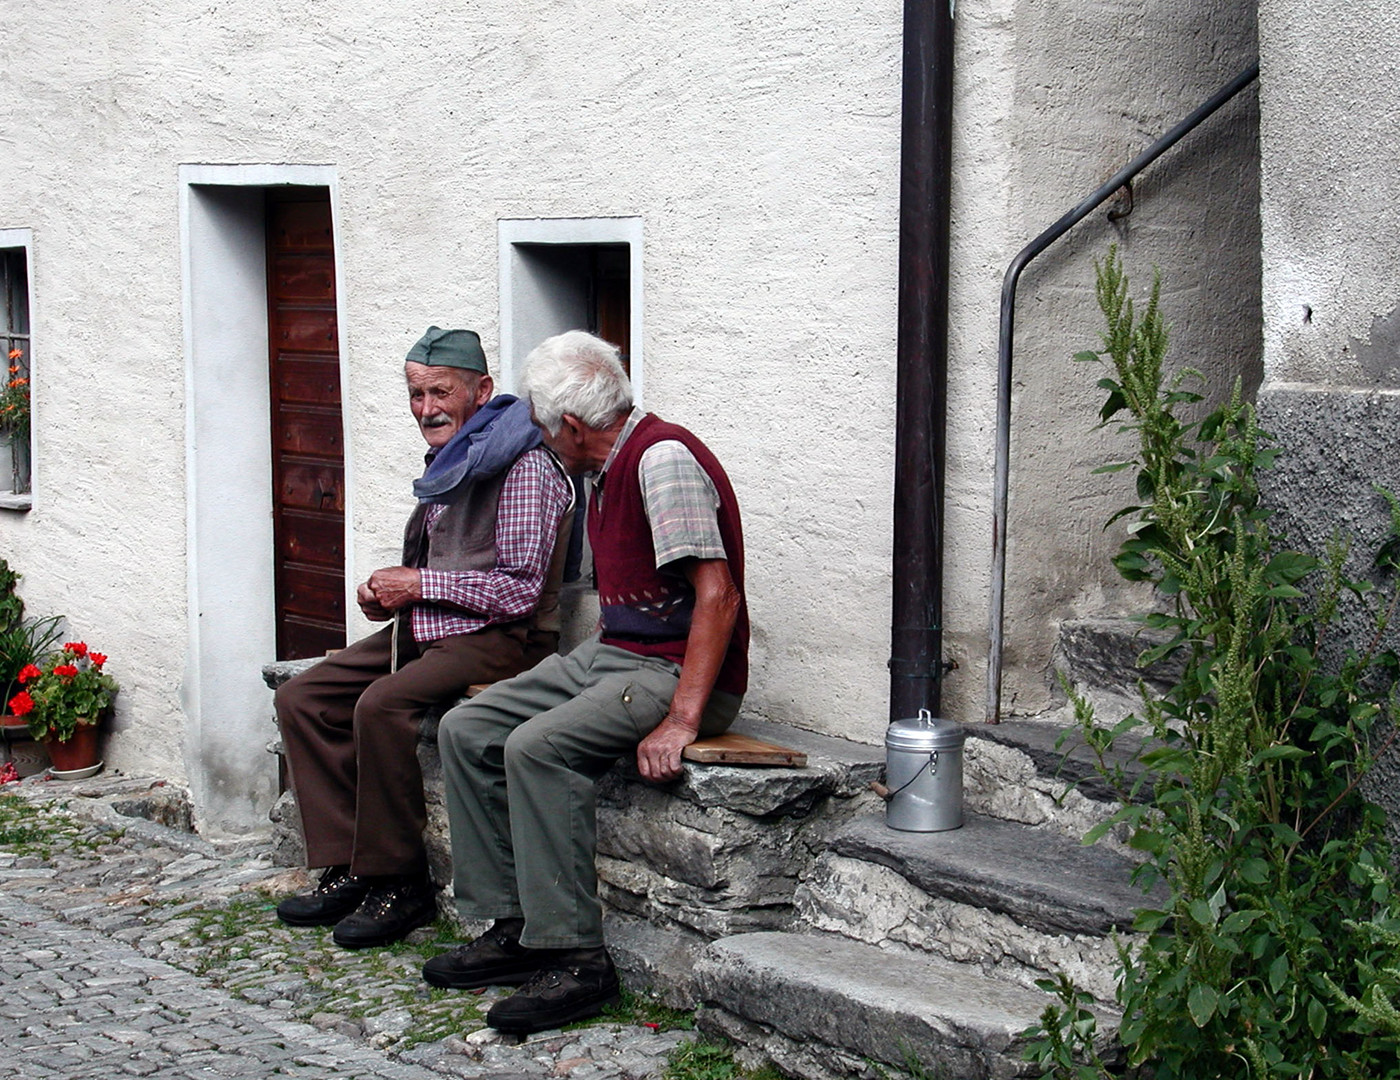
x: 645, y: 611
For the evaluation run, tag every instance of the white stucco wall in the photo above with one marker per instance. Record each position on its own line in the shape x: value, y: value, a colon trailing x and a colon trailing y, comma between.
x: 1331, y: 206
x: 1330, y: 125
x: 759, y: 146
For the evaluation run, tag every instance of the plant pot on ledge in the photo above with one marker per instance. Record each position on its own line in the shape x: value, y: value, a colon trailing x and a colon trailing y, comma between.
x: 77, y: 756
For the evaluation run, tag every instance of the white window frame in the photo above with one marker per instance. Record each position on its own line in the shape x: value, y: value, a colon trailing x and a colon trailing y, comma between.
x: 10, y: 499
x: 572, y: 231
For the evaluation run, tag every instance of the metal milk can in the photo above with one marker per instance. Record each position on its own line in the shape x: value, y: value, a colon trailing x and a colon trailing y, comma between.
x: 924, y: 774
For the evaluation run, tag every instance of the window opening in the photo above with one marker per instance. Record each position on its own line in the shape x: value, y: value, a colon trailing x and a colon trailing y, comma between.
x: 579, y: 287
x: 15, y: 391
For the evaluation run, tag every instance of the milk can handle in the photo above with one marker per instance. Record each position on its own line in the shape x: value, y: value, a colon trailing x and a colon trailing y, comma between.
x: 931, y: 765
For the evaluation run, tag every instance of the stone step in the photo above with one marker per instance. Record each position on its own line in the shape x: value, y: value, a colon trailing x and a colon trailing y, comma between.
x: 1017, y: 771
x: 823, y: 1007
x: 1068, y: 760
x: 1014, y: 900
x: 1099, y: 658
x: 721, y: 850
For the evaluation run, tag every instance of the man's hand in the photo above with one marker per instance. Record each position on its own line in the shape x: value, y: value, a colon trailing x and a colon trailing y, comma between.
x: 395, y: 587
x: 659, y: 754
x: 373, y: 610
x: 716, y: 606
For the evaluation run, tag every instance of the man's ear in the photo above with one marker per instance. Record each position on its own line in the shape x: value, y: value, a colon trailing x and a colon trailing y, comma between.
x: 484, y: 389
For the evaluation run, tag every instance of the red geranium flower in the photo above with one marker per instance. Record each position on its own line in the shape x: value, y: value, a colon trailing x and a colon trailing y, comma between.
x: 29, y: 671
x: 65, y: 671
x: 21, y: 703
x: 77, y: 648
x: 97, y: 658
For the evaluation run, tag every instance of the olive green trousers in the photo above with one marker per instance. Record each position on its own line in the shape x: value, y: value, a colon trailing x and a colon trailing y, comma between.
x: 521, y: 762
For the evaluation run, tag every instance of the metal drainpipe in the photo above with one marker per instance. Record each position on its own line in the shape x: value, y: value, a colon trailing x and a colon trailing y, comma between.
x: 926, y: 162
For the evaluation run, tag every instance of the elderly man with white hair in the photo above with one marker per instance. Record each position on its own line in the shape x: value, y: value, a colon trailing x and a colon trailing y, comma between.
x: 668, y: 665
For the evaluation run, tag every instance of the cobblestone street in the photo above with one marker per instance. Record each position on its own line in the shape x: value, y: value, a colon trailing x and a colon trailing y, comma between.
x: 132, y: 948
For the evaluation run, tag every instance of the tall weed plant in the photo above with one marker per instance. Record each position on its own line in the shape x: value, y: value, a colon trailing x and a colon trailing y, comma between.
x: 1278, y: 951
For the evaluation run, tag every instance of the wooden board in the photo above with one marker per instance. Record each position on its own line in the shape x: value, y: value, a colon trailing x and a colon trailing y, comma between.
x: 732, y: 749
x: 729, y: 749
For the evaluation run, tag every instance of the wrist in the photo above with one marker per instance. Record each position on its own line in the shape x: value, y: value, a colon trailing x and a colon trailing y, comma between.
x: 692, y: 726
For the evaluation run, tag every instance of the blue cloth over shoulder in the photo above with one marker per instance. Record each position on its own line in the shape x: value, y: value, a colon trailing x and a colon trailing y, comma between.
x: 497, y: 433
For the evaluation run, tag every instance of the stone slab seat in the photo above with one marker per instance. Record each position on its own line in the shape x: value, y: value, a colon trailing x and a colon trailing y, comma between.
x: 718, y: 851
x: 823, y: 1006
x: 1037, y: 877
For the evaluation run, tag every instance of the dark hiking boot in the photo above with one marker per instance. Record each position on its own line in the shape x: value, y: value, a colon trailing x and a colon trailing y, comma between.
x: 337, y: 894
x: 393, y: 908
x: 578, y: 984
x: 496, y: 958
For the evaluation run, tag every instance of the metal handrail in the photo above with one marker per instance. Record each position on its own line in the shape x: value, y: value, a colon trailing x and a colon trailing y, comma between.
x: 1008, y: 313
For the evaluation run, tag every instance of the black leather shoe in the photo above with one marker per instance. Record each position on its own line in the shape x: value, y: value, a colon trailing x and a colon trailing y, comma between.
x: 336, y: 895
x: 392, y: 909
x: 558, y: 995
x: 496, y: 958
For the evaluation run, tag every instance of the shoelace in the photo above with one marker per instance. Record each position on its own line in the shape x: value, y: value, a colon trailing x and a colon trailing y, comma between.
x: 547, y: 979
x: 381, y: 899
x: 491, y: 936
x: 330, y: 882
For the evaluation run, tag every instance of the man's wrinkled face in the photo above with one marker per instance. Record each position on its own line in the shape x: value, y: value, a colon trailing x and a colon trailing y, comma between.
x: 444, y: 398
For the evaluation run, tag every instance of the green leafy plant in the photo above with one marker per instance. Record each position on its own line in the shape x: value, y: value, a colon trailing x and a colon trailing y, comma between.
x: 1270, y: 956
x: 23, y: 642
x: 1063, y: 1042
x: 68, y: 689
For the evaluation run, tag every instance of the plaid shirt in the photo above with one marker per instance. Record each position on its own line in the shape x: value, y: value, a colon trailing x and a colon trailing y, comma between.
x: 533, y: 499
x: 681, y: 502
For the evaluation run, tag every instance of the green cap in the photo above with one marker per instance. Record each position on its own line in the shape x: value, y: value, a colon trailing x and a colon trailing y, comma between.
x: 449, y: 348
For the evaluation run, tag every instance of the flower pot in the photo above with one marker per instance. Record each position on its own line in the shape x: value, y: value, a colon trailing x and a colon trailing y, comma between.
x: 76, y: 757
x: 20, y: 750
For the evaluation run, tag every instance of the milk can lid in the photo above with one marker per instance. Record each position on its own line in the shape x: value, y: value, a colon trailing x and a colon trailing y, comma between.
x: 925, y: 732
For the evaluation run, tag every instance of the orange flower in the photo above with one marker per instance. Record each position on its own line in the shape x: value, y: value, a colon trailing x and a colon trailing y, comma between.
x: 15, y: 354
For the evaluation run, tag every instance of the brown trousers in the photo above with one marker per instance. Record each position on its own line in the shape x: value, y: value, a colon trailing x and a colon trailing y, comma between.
x: 350, y: 735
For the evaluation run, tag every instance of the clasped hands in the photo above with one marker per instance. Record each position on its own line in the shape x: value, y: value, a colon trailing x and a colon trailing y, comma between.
x: 388, y: 590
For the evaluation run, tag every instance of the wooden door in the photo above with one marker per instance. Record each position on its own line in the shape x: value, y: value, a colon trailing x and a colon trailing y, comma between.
x: 308, y: 461
x: 612, y: 298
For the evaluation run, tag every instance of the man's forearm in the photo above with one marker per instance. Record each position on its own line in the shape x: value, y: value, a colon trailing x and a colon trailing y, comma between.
x: 711, y: 626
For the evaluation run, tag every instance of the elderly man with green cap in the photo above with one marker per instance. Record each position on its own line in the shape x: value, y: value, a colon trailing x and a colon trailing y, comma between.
x: 475, y: 600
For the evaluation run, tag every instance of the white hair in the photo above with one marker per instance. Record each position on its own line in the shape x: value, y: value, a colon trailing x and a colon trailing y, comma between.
x: 578, y: 374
